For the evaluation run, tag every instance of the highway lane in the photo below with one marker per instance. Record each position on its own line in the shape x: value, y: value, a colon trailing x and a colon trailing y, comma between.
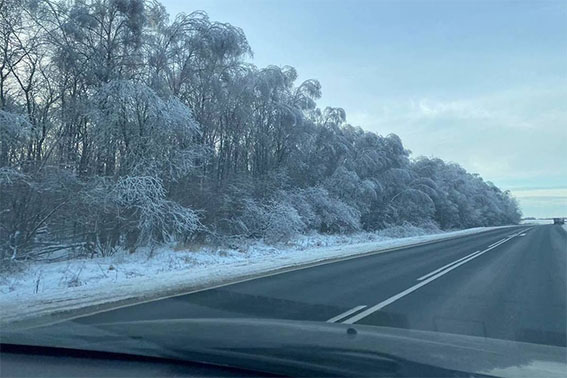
x: 508, y: 283
x: 515, y: 292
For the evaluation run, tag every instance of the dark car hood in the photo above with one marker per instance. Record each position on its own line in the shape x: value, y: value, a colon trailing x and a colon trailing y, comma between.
x: 306, y: 348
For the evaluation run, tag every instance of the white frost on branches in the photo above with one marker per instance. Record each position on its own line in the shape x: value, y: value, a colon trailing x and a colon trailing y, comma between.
x: 158, y: 218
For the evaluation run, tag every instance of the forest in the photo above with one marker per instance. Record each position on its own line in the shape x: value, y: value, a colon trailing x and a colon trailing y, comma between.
x: 122, y: 126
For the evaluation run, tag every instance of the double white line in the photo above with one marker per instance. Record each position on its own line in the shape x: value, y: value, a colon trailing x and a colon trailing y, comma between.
x: 346, y: 313
x: 432, y: 276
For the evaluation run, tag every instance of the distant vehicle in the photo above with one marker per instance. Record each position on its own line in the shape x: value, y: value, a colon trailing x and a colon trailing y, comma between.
x: 558, y: 220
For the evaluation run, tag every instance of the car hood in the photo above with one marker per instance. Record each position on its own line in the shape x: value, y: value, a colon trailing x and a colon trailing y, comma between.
x: 305, y: 348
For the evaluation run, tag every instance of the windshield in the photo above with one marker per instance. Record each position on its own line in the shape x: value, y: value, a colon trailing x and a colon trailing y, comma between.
x: 388, y: 169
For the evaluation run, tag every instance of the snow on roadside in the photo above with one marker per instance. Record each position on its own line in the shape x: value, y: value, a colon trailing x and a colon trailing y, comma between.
x: 537, y: 221
x: 44, y: 288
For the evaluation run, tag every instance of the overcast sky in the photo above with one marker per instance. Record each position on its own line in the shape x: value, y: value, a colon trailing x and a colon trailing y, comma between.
x: 480, y: 83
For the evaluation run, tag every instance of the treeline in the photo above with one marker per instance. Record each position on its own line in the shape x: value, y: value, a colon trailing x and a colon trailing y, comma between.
x: 121, y: 127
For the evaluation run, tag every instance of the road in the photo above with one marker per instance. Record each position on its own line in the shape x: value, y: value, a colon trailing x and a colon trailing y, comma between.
x: 507, y: 283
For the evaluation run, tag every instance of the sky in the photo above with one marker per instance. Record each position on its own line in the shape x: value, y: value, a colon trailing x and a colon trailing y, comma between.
x: 480, y: 83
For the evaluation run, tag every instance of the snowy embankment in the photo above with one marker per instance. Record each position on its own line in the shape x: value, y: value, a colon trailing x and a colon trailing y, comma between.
x: 83, y: 285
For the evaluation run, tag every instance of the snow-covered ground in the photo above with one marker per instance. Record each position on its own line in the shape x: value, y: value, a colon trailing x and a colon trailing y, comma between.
x: 44, y: 288
x: 537, y: 221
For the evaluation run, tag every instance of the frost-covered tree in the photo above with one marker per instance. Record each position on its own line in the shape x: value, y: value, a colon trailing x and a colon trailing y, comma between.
x: 121, y: 126
x: 136, y: 131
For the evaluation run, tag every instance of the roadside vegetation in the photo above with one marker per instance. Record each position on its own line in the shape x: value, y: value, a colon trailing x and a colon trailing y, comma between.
x: 122, y: 128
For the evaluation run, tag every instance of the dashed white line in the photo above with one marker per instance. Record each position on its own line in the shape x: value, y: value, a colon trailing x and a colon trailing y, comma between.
x: 346, y: 313
x: 394, y: 298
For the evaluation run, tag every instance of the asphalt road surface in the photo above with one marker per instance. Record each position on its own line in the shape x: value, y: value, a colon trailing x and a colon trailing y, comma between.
x: 508, y: 284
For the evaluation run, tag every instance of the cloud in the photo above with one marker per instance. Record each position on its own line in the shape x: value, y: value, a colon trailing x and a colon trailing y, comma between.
x: 513, y: 137
x: 542, y: 202
x: 461, y: 110
x: 506, y: 135
x: 559, y: 193
x: 520, y: 108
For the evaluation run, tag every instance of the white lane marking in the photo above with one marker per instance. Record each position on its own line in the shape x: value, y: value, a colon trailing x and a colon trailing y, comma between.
x: 495, y: 243
x: 462, y: 258
x: 346, y: 313
x: 524, y: 231
x: 517, y: 233
x: 391, y: 300
x: 446, y: 266
x: 522, y: 234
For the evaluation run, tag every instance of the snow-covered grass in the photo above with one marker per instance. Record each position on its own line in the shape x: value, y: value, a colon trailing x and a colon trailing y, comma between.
x: 44, y: 288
